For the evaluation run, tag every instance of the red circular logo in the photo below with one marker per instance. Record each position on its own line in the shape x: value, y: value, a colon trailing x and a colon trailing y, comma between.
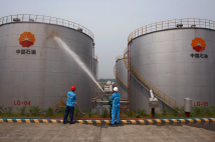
x: 198, y: 44
x: 26, y: 39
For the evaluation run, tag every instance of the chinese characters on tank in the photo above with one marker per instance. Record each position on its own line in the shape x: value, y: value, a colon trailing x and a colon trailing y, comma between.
x: 199, y: 55
x: 26, y: 51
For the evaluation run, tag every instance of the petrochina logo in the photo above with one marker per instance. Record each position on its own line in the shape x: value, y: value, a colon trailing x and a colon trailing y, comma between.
x: 26, y: 39
x: 198, y: 44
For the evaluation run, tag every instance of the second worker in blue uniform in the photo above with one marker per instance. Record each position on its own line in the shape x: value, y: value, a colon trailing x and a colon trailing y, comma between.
x: 115, y: 106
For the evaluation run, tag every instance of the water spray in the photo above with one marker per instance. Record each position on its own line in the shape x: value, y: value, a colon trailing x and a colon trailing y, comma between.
x: 56, y: 37
x: 75, y: 57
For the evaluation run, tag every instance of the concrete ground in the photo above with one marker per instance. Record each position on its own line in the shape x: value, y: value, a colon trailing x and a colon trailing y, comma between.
x: 50, y: 132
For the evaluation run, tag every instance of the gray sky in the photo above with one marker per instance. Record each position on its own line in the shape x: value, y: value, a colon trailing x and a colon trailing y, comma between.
x: 111, y: 21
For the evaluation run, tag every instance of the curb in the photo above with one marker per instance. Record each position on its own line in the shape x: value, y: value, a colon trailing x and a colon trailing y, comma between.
x: 122, y: 121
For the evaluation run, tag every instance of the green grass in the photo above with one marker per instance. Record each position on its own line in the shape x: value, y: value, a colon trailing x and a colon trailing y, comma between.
x: 36, y: 111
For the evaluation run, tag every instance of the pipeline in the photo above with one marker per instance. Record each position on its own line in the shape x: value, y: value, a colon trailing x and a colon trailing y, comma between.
x: 76, y: 105
x: 137, y: 116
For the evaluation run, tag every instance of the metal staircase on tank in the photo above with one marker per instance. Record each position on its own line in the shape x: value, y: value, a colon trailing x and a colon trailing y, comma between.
x: 159, y: 94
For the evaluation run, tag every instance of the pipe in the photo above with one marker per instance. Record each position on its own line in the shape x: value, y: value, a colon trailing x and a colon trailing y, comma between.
x: 151, y: 93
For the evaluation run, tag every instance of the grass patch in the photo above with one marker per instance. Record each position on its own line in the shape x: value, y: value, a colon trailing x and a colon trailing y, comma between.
x: 36, y: 111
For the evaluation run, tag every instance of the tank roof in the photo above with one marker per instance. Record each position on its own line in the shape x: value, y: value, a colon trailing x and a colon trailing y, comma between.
x: 45, y: 19
x: 170, y: 24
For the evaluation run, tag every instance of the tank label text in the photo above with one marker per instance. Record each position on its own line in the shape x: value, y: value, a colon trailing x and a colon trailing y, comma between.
x: 22, y: 102
x: 200, y: 104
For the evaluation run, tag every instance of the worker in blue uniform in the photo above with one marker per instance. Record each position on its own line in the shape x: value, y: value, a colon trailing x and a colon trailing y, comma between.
x: 115, y: 106
x: 70, y: 105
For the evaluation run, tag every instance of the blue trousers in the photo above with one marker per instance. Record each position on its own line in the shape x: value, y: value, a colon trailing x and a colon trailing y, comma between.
x: 68, y: 110
x: 115, y: 112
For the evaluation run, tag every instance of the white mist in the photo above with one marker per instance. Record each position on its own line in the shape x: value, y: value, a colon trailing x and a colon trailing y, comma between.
x: 77, y: 59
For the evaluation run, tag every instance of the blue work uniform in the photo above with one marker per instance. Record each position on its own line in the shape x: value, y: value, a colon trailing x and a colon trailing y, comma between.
x: 115, y: 107
x: 70, y: 103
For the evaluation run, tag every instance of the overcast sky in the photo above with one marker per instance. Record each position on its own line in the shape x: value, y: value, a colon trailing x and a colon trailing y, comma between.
x: 111, y: 21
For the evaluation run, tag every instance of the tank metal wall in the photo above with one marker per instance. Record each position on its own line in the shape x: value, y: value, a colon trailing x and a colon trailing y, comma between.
x: 167, y: 60
x: 44, y: 78
x: 121, y: 72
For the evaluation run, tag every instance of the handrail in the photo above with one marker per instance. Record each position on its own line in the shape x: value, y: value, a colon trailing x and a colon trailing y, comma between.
x: 165, y: 97
x: 119, y: 57
x: 45, y: 19
x: 175, y: 23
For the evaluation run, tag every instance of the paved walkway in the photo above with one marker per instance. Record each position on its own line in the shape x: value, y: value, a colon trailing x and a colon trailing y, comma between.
x: 43, y: 132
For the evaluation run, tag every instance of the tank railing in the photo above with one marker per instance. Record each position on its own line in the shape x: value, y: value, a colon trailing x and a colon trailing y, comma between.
x: 148, y: 85
x: 95, y: 57
x: 176, y: 23
x: 114, y: 71
x: 119, y: 57
x: 45, y: 19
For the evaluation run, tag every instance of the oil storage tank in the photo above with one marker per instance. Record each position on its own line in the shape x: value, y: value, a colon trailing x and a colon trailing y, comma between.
x: 35, y: 70
x: 120, y: 73
x: 174, y: 58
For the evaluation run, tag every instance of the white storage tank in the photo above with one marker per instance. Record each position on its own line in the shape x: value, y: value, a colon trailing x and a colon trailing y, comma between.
x: 34, y: 70
x: 176, y: 59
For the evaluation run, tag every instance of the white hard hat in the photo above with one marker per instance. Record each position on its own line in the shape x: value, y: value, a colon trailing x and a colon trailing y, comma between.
x: 115, y: 89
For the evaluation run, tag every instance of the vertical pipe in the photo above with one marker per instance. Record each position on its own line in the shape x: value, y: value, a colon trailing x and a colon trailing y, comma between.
x: 156, y: 26
x: 205, y: 24
x: 168, y: 24
x: 188, y: 22
x: 43, y: 18
x: 162, y: 25
x: 214, y: 25
x: 128, y: 76
x: 146, y: 29
x: 194, y: 21
x: 199, y: 23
